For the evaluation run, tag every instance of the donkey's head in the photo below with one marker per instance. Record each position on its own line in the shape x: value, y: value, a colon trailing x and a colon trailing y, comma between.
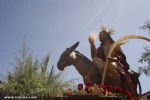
x: 67, y: 57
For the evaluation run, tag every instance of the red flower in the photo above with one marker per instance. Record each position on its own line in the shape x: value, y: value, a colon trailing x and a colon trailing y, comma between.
x: 69, y: 92
x: 80, y: 86
x: 87, y: 89
x: 129, y: 94
x: 88, y: 83
x: 101, y: 86
x: 118, y: 90
x: 104, y: 92
x: 110, y: 88
x: 136, y: 98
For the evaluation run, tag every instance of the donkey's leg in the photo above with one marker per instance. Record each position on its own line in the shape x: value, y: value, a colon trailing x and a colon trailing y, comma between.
x: 99, y: 64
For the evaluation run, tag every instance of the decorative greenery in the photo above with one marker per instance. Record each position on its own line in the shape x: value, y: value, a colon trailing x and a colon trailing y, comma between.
x: 31, y: 78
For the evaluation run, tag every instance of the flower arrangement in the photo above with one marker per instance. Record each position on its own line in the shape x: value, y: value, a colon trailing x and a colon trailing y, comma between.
x: 100, y: 90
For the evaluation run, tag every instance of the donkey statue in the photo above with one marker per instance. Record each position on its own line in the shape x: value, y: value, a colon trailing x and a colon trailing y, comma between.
x: 91, y: 70
x: 82, y: 64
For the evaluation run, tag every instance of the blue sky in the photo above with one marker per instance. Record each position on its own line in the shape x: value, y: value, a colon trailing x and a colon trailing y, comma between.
x: 50, y: 26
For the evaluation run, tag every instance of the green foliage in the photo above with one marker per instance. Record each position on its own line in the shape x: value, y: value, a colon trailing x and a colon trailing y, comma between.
x: 31, y: 78
x: 145, y: 57
x: 146, y: 26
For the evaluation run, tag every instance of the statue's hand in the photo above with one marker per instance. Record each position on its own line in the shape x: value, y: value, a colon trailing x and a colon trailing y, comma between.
x: 91, y: 39
x: 112, y: 59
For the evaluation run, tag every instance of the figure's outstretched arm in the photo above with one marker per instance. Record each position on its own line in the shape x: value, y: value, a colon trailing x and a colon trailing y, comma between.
x: 93, y: 48
x: 93, y: 51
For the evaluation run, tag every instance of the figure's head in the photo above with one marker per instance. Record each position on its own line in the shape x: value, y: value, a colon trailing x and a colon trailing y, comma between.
x: 105, y: 35
x: 67, y: 57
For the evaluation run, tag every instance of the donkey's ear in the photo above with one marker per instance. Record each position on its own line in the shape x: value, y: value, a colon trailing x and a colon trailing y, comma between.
x: 74, y: 46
